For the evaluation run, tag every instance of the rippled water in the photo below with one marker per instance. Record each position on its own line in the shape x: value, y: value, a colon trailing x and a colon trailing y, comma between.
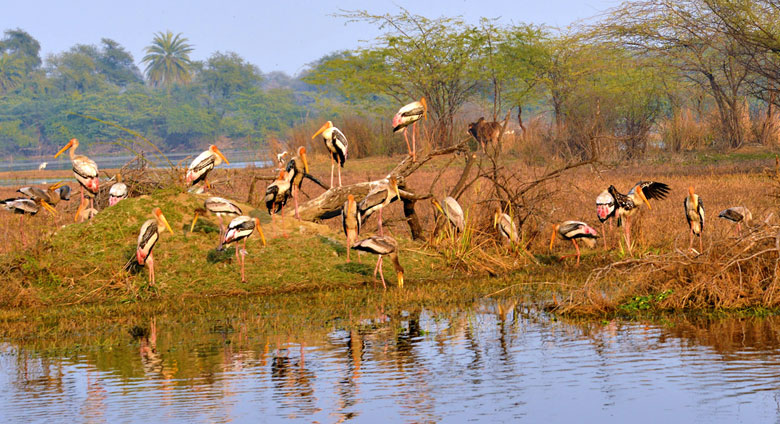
x: 493, y: 361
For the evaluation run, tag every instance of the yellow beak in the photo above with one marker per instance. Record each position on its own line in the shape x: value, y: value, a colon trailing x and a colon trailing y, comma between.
x: 324, y: 127
x: 400, y: 280
x: 641, y: 195
x: 305, y: 163
x: 66, y: 147
x: 221, y: 156
x: 438, y: 206
x: 165, y: 222
x: 194, y: 220
x: 552, y: 237
x: 495, y: 219
x: 425, y: 108
x: 57, y: 185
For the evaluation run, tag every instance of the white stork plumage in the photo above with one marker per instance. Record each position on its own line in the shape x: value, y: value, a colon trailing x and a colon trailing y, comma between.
x: 382, y: 245
x: 147, y: 238
x: 298, y: 167
x: 86, y: 172
x: 240, y: 228
x: 409, y: 115
x: 350, y: 222
x: 377, y: 199
x: 277, y: 194
x: 573, y: 230
x: 118, y: 191
x: 506, y: 227
x: 336, y: 143
x: 451, y: 209
x: 738, y: 215
x: 694, y: 214
x: 203, y: 164
x: 627, y: 204
x: 605, y: 209
x: 220, y: 207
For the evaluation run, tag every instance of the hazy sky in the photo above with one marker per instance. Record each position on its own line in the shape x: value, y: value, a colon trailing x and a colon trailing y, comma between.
x: 274, y: 35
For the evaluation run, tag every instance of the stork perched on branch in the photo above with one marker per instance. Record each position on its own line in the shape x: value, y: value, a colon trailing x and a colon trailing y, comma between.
x: 409, y: 115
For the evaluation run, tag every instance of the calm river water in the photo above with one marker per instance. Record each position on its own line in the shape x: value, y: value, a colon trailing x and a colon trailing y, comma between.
x: 493, y: 361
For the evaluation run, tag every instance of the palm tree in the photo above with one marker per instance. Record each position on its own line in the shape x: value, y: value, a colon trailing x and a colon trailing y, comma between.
x: 168, y: 59
x: 11, y: 72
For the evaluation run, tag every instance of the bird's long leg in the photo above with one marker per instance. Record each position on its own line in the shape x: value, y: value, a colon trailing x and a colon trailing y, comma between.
x: 349, y: 238
x: 701, y: 244
x: 408, y: 146
x: 739, y: 230
x: 295, y: 198
x: 339, y: 169
x: 243, y: 250
x: 578, y: 251
x: 690, y: 240
x: 332, y: 162
x: 150, y: 263
x: 381, y: 274
x: 81, y: 206
x: 376, y: 268
x: 414, y: 142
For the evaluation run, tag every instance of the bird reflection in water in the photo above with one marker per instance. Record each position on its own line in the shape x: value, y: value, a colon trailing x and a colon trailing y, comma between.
x: 293, y: 382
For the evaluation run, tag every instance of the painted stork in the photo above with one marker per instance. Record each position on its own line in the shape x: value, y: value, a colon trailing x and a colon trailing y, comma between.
x: 627, y: 204
x: 409, y: 115
x: 147, y: 238
x: 506, y: 226
x: 277, y: 194
x: 573, y: 230
x: 219, y: 207
x: 336, y: 143
x: 605, y: 209
x: 240, y: 228
x: 118, y: 191
x: 47, y: 198
x: 298, y: 167
x: 382, y: 245
x: 452, y: 210
x: 738, y: 215
x: 377, y: 199
x: 86, y: 172
x: 351, y: 222
x: 694, y: 213
x: 203, y: 164
x: 22, y: 207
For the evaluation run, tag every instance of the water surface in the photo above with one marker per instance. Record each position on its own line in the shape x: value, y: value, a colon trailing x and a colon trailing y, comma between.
x: 492, y: 361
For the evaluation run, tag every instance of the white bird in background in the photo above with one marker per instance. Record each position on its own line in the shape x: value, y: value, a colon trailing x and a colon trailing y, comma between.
x: 42, y: 166
x: 118, y: 191
x: 454, y: 213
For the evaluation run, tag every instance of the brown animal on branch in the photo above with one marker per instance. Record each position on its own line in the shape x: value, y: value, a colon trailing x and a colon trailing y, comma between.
x: 485, y: 132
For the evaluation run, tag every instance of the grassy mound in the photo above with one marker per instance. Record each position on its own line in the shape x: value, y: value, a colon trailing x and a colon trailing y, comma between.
x: 83, y: 263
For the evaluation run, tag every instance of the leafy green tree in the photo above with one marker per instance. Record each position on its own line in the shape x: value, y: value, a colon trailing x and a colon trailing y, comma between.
x: 225, y: 74
x: 21, y: 44
x: 168, y: 60
x: 117, y: 64
x: 11, y: 72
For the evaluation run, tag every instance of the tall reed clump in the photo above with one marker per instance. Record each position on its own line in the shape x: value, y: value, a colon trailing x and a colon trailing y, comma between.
x: 683, y: 131
x: 735, y: 273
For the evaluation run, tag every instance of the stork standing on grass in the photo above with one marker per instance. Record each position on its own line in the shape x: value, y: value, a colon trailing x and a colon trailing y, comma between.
x: 694, y: 213
x: 350, y: 222
x: 409, y: 115
x: 276, y: 195
x: 628, y: 204
x: 377, y: 199
x: 572, y: 230
x: 298, y: 167
x: 219, y: 207
x: 240, y: 228
x: 605, y: 209
x: 382, y: 245
x: 118, y: 191
x: 203, y: 164
x: 336, y: 143
x: 738, y: 215
x: 147, y: 238
x: 86, y: 172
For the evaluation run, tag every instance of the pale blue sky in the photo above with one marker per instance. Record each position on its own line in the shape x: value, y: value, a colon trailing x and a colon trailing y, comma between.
x: 274, y: 35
